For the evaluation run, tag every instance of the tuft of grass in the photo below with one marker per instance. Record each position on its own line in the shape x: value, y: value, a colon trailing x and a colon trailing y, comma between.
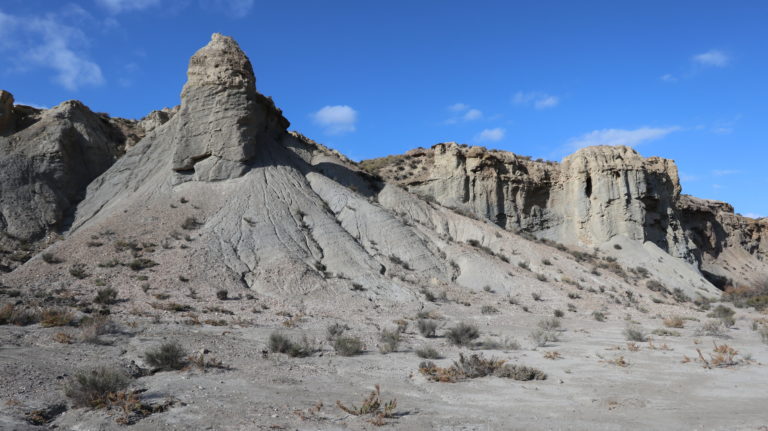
x: 348, y: 346
x: 663, y: 332
x: 549, y: 324
x: 427, y: 328
x: 599, y: 316
x: 463, y: 334
x: 488, y: 309
x: 635, y: 333
x: 222, y: 294
x: 558, y: 313
x: 106, y: 296
x: 166, y: 357
x: 279, y: 343
x: 674, y: 322
x: 51, y: 317
x: 389, y: 341
x: 725, y: 314
x: 92, y: 328
x: 542, y: 337
x: 428, y: 353
x: 78, y: 271
x: 335, y: 330
x: 92, y: 388
x: 713, y: 328
x: 51, y: 258
x: 141, y: 263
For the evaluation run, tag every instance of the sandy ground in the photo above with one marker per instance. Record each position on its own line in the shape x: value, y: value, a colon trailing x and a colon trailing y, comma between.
x: 584, y: 389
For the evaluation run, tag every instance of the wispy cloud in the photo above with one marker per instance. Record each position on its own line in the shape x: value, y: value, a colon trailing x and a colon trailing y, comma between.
x: 753, y: 215
x: 491, y: 135
x: 724, y: 172
x: 35, y: 41
x: 668, y: 77
x: 536, y: 99
x: 713, y: 57
x: 463, y: 112
x: 233, y: 8
x: 120, y: 6
x: 688, y: 177
x: 336, y: 120
x: 620, y: 136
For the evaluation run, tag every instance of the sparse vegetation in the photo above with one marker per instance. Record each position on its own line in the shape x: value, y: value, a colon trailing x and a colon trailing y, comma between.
x: 335, y: 330
x: 542, y: 337
x: 222, y: 294
x: 549, y: 324
x: 427, y: 328
x: 51, y: 317
x: 141, y: 263
x: 348, y: 346
x: 166, y: 357
x: 92, y: 388
x: 463, y: 334
x: 427, y: 353
x: 475, y: 366
x: 50, y: 258
x: 389, y: 341
x: 106, y: 296
x: 725, y: 314
x: 558, y: 313
x: 713, y: 328
x: 372, y: 405
x: 279, y: 343
x: 488, y: 309
x: 190, y: 223
x: 635, y: 333
x: 78, y: 271
x: 674, y: 322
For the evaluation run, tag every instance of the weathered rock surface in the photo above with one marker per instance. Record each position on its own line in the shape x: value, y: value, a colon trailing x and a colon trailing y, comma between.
x: 594, y: 195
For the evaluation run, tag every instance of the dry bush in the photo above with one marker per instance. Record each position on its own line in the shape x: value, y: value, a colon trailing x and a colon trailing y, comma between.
x: 335, y: 330
x: 721, y: 356
x: 553, y: 354
x: 674, y: 322
x: 549, y: 324
x: 106, y: 296
x: 92, y: 388
x: 463, y: 334
x: 348, y: 346
x: 543, y: 337
x: 389, y: 341
x: 166, y: 357
x: 427, y: 328
x: 63, y: 338
x: 204, y: 364
x: 633, y: 347
x: 475, y: 366
x: 635, y: 333
x: 279, y: 343
x: 749, y: 296
x: 372, y: 405
x: 428, y: 353
x: 51, y: 317
x: 12, y: 315
x: 92, y: 328
x: 713, y: 328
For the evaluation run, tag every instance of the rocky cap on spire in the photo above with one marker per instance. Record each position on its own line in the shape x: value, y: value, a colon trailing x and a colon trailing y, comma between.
x: 6, y: 111
x: 221, y: 62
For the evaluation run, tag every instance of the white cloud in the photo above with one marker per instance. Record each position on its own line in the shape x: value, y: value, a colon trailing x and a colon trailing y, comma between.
x: 458, y: 107
x: 46, y: 42
x: 620, y: 137
x: 688, y: 177
x: 234, y: 8
x: 753, y: 215
x: 119, y: 6
x: 536, y: 99
x: 473, y: 114
x: 724, y: 172
x: 491, y: 135
x: 668, y: 77
x: 712, y: 58
x: 336, y: 120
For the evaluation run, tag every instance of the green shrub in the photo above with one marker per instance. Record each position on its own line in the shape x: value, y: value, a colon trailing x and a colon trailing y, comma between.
x: 167, y: 356
x: 92, y: 388
x: 428, y: 353
x: 279, y: 343
x: 635, y: 333
x: 549, y: 324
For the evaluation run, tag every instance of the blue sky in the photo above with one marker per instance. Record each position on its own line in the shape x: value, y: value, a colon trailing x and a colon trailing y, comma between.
x: 684, y: 80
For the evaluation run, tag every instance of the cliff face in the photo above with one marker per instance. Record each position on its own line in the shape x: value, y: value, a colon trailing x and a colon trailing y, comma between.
x: 594, y: 195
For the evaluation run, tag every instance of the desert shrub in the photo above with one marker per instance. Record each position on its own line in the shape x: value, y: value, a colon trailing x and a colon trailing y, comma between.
x: 549, y: 324
x: 12, y: 315
x: 51, y: 258
x: 476, y: 365
x: 536, y: 296
x: 106, y: 296
x: 635, y: 333
x: 92, y: 328
x: 167, y: 356
x: 427, y: 328
x: 558, y: 313
x: 599, y: 316
x: 335, y: 330
x: 674, y: 322
x: 725, y: 314
x: 656, y: 286
x: 348, y: 346
x: 141, y: 263
x: 389, y: 341
x: 372, y: 405
x: 91, y: 388
x: 713, y: 328
x: 78, y: 271
x: 190, y: 223
x: 222, y: 294
x: 488, y: 309
x: 749, y: 296
x: 279, y: 343
x: 524, y: 265
x: 679, y: 295
x: 663, y: 332
x: 521, y: 373
x: 541, y: 277
x: 427, y: 353
x: 463, y: 334
x: 51, y: 317
x: 763, y: 331
x: 542, y: 337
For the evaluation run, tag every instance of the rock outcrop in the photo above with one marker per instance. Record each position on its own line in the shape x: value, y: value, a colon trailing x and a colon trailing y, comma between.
x: 222, y: 119
x: 594, y: 195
